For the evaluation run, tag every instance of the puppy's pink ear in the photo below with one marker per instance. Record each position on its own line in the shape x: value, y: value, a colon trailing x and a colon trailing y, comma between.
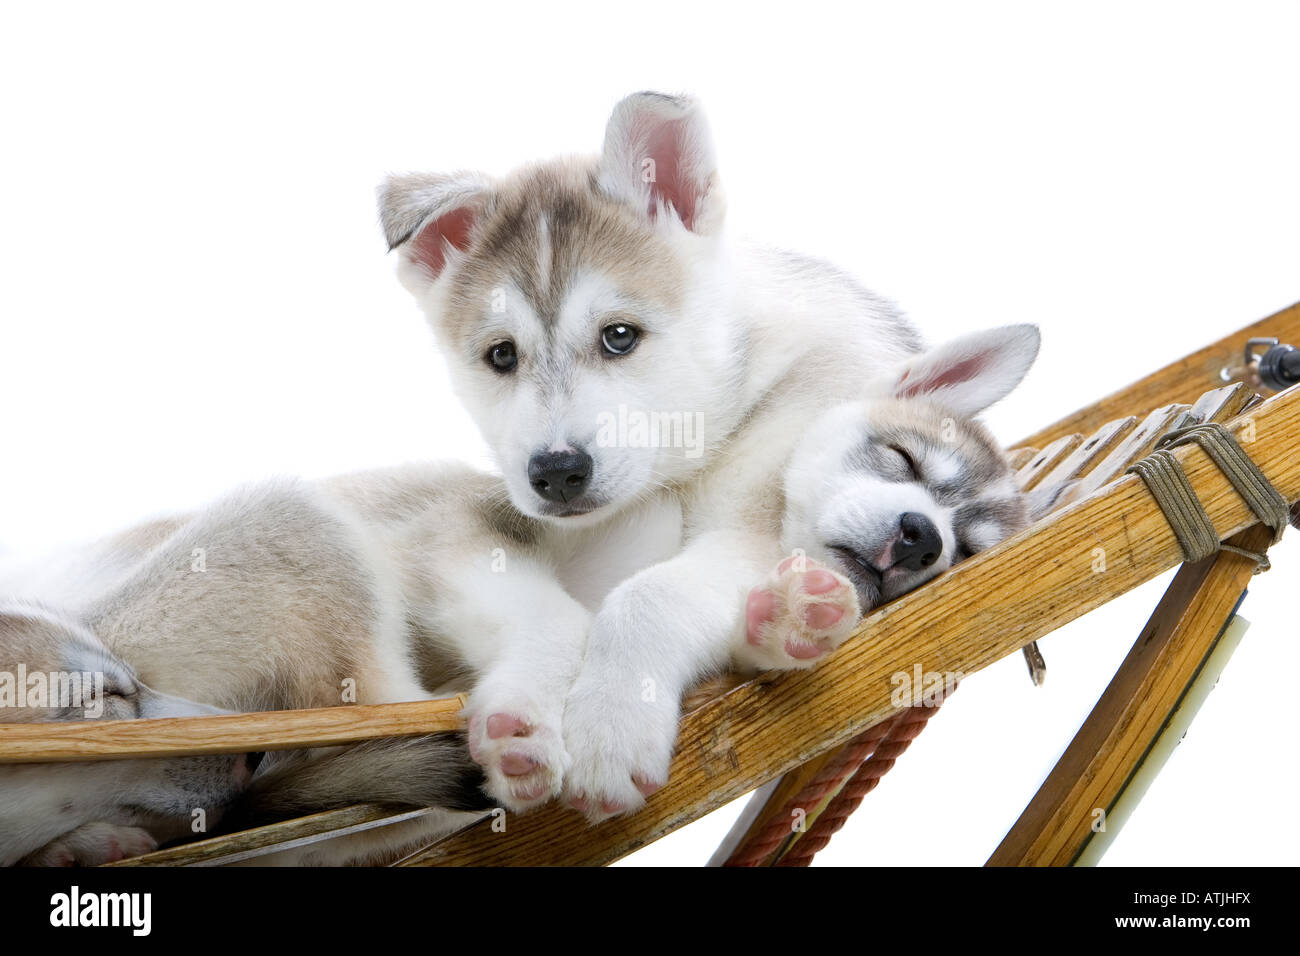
x: 431, y: 217
x: 971, y: 373
x: 659, y: 159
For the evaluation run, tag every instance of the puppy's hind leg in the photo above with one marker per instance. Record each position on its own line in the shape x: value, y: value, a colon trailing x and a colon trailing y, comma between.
x: 93, y: 844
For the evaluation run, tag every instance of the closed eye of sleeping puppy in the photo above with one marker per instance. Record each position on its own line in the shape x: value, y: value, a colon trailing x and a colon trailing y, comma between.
x: 881, y: 496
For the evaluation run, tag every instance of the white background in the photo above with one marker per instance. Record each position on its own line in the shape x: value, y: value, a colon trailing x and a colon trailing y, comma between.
x: 195, y: 292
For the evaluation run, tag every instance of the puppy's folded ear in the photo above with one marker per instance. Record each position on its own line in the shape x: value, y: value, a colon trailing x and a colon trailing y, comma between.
x: 430, y: 218
x: 658, y: 158
x: 971, y: 373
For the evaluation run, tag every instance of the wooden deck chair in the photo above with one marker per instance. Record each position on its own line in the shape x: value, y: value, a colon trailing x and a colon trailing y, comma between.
x: 812, y: 743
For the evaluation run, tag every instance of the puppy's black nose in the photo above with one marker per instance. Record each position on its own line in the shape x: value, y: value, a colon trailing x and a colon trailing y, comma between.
x: 559, y: 475
x: 919, y: 544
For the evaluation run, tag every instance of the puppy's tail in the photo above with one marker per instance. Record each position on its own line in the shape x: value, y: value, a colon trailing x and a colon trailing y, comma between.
x: 430, y: 771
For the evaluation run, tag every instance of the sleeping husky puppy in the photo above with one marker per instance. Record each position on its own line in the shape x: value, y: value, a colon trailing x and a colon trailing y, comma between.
x: 293, y: 594
x: 880, y: 497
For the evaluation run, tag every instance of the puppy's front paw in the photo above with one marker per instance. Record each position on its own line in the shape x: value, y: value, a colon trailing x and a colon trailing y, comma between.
x: 621, y: 745
x: 519, y: 748
x: 93, y: 844
x: 801, y: 613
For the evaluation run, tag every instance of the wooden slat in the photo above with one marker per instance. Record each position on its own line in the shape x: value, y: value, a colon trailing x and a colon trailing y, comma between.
x: 1011, y: 594
x: 1138, y: 444
x: 1047, y: 459
x: 1180, y: 382
x: 1089, y: 452
x: 1019, y: 457
x: 1044, y: 490
x: 1217, y: 405
x: 225, y: 734
x: 1148, y: 687
x: 1222, y: 403
x: 276, y: 837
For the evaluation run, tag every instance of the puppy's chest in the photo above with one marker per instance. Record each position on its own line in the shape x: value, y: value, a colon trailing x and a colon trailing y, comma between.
x: 590, y: 566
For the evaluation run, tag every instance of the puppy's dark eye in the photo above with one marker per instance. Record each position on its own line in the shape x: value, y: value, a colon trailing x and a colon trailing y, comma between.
x: 502, y: 357
x: 618, y: 339
x: 908, y: 460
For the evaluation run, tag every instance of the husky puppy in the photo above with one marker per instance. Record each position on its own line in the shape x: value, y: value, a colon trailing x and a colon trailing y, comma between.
x: 881, y: 496
x: 91, y: 813
x: 276, y: 597
x: 578, y: 293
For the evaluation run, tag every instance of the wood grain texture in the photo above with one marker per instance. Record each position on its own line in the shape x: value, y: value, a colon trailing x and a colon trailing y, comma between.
x: 1182, y: 381
x: 225, y: 734
x: 1094, y: 770
x: 1019, y: 591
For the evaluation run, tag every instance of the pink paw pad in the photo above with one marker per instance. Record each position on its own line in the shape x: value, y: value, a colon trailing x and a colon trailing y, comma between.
x: 646, y: 786
x: 760, y: 608
x: 802, y: 650
x: 505, y: 725
x: 533, y: 792
x: 819, y: 582
x: 822, y: 616
x: 516, y: 765
x: 800, y: 614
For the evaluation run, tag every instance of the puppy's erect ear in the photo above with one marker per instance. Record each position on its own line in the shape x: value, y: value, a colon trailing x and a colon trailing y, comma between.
x: 430, y: 217
x: 659, y: 156
x: 971, y: 373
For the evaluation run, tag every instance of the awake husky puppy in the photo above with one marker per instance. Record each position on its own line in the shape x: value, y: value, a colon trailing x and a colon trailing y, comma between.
x: 576, y: 293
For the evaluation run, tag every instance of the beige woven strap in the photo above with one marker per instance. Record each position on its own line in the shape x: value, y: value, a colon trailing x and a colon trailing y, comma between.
x: 1168, y: 483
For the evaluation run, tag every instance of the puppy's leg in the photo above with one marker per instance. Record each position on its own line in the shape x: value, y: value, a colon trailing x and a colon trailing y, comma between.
x: 92, y: 844
x: 523, y: 638
x: 798, y: 615
x: 655, y: 635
